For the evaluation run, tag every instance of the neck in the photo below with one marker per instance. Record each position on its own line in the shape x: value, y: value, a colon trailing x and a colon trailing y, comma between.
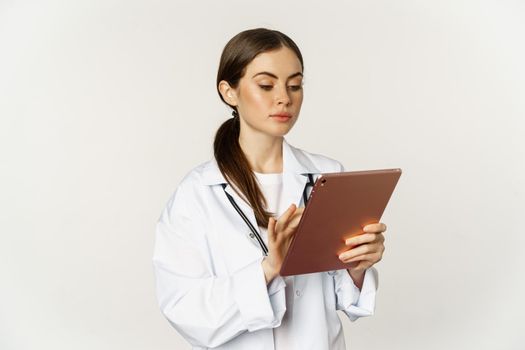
x: 264, y: 152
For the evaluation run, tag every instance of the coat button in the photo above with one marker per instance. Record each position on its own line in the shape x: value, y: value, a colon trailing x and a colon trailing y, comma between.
x: 298, y: 293
x: 252, y: 235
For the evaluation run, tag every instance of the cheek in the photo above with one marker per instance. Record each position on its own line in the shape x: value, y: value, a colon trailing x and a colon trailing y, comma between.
x: 299, y: 98
x: 258, y: 98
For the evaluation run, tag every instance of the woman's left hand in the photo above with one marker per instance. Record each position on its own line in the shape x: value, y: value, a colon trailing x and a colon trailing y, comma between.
x: 366, y: 249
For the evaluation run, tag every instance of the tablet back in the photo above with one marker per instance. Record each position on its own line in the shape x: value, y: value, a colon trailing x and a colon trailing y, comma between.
x: 340, y: 205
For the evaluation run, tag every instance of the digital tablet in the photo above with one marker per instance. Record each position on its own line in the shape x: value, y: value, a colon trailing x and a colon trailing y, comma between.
x: 340, y: 205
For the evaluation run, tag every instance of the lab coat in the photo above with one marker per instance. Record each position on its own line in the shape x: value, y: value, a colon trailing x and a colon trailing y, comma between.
x: 209, y: 279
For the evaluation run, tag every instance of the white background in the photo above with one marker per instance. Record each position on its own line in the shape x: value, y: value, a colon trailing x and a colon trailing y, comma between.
x: 105, y: 105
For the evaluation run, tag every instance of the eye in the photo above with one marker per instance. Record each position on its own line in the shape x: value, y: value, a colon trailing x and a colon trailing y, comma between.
x: 295, y: 87
x: 291, y: 87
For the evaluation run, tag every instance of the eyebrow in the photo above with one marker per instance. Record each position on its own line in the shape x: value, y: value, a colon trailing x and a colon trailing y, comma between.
x: 275, y: 76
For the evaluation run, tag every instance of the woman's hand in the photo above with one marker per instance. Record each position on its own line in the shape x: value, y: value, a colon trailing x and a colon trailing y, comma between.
x: 366, y: 249
x: 280, y: 234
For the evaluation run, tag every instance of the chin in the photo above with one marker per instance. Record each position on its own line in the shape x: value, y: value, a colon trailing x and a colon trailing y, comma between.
x: 280, y: 133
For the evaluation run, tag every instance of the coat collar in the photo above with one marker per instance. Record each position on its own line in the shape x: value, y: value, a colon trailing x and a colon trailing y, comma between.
x: 294, y: 162
x: 296, y: 166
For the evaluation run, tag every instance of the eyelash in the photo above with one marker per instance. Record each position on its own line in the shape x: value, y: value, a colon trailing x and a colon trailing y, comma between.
x: 292, y: 87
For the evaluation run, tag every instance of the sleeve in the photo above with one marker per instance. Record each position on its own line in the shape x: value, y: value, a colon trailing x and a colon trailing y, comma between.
x: 353, y: 302
x: 207, y: 310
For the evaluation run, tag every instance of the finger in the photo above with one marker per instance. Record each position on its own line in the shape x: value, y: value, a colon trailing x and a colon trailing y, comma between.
x: 296, y: 215
x: 359, y: 250
x: 292, y: 226
x: 365, y: 238
x: 285, y: 217
x: 361, y: 239
x: 271, y: 228
x: 371, y: 258
x: 375, y: 228
x: 371, y: 251
x: 288, y: 213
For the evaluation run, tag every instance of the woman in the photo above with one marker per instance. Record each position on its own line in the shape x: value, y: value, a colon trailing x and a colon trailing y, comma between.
x: 221, y: 240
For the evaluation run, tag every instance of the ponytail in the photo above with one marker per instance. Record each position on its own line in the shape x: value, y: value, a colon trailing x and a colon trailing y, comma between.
x: 235, y: 168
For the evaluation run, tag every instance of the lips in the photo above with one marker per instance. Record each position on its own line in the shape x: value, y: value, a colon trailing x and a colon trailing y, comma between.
x: 282, y: 115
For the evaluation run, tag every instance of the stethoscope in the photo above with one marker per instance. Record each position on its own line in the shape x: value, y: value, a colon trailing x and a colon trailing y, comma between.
x: 254, y: 233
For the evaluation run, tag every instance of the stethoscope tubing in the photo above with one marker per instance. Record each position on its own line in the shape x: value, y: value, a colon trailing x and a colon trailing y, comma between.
x: 255, y: 233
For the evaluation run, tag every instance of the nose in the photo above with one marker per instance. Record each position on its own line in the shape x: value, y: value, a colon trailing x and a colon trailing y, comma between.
x: 282, y: 96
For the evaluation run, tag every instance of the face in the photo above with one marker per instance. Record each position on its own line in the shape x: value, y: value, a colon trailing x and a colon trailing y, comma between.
x: 269, y: 95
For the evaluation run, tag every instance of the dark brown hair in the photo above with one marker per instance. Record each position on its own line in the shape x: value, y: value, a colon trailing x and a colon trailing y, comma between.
x: 233, y: 164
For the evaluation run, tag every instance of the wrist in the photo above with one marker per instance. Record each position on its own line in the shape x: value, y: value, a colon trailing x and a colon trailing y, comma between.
x: 269, y: 272
x: 358, y: 276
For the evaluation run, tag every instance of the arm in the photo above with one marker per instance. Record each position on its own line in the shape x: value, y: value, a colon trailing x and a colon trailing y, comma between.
x: 355, y: 302
x: 356, y: 288
x: 208, y: 310
x: 358, y: 277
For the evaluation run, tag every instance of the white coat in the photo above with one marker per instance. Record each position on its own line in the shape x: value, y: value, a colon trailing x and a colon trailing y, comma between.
x: 210, y: 283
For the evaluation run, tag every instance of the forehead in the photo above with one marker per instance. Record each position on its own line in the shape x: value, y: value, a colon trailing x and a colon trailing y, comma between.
x: 281, y: 62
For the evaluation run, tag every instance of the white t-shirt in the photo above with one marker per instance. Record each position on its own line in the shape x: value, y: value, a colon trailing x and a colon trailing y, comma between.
x: 272, y: 186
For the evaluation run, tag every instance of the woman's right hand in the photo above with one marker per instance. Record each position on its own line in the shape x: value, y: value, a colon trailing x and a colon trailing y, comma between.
x: 280, y: 234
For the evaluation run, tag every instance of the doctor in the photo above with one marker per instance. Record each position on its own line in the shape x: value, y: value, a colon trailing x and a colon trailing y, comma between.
x: 222, y: 237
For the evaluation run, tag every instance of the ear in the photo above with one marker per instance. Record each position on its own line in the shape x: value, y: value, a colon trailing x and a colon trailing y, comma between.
x: 228, y: 93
